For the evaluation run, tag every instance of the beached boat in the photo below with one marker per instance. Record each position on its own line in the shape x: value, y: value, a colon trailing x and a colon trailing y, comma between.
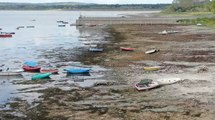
x: 96, y: 49
x: 53, y: 71
x: 65, y: 22
x: 20, y: 27
x: 151, y: 51
x: 30, y: 26
x: 126, y: 49
x: 163, y: 32
x: 167, y: 81
x: 60, y: 21
x: 10, y: 73
x: 41, y: 76
x: 78, y: 70
x: 5, y: 35
x: 146, y: 84
x: 31, y: 69
x: 8, y: 32
x: 61, y: 25
x: 154, y: 68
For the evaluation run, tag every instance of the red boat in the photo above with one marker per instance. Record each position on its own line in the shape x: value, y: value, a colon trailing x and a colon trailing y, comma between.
x: 53, y: 71
x: 31, y: 69
x: 5, y: 35
x: 126, y: 49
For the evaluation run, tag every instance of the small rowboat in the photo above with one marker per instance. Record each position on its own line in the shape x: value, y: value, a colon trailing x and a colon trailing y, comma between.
x: 31, y: 69
x: 61, y: 25
x: 10, y: 73
x: 146, y: 84
x: 154, y: 68
x: 53, y: 71
x: 78, y: 71
x: 168, y: 81
x: 4, y: 35
x: 126, y: 49
x: 96, y: 49
x: 151, y: 51
x: 41, y: 76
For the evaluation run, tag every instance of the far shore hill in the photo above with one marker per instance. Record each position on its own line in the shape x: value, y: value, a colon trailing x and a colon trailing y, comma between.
x: 79, y: 6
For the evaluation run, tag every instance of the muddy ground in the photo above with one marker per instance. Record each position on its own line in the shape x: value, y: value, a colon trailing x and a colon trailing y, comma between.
x: 188, y: 54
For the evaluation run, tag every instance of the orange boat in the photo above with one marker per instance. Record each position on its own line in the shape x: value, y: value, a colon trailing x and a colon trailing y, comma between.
x: 126, y: 49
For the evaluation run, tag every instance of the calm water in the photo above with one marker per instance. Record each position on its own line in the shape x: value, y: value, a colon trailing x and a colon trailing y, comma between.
x: 28, y: 43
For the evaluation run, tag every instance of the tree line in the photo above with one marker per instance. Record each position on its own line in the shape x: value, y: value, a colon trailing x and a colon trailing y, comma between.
x: 192, y: 6
x: 46, y: 6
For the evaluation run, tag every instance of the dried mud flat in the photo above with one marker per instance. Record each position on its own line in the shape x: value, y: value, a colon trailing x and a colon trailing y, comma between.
x: 188, y: 54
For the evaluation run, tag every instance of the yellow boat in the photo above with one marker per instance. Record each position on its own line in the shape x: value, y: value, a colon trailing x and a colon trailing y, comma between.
x: 154, y: 68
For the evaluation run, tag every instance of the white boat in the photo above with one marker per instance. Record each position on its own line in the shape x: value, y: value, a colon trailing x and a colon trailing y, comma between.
x: 147, y: 85
x: 168, y: 81
x: 10, y: 73
x: 163, y: 32
x: 151, y: 51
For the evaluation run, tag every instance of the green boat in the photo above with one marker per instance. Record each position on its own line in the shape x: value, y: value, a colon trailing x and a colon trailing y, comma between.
x: 41, y: 76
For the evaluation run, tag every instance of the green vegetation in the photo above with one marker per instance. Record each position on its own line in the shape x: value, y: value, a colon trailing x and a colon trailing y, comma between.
x: 204, y: 21
x: 79, y: 6
x: 189, y: 6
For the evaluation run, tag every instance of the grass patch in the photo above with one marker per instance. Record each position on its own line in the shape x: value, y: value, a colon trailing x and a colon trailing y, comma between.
x: 204, y: 21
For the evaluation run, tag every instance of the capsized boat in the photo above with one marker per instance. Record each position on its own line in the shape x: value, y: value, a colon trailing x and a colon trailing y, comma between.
x: 96, y: 49
x: 31, y: 69
x: 41, y: 76
x: 53, y: 71
x: 126, y: 49
x: 146, y: 84
x: 167, y: 81
x: 154, y: 68
x: 78, y: 70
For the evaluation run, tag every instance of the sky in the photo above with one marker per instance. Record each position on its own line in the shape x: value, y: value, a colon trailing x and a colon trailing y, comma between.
x: 95, y: 1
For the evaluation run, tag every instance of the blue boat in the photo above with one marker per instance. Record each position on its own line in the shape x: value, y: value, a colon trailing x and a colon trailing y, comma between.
x: 31, y: 63
x: 78, y: 70
x: 96, y: 49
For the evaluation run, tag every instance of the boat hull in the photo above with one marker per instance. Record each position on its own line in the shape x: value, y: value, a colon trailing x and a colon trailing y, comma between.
x: 126, y: 49
x: 152, y: 68
x: 95, y: 49
x: 31, y: 69
x: 41, y: 76
x: 168, y: 81
x: 146, y: 87
x: 53, y: 71
x: 10, y: 73
x: 5, y: 35
x: 78, y: 71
